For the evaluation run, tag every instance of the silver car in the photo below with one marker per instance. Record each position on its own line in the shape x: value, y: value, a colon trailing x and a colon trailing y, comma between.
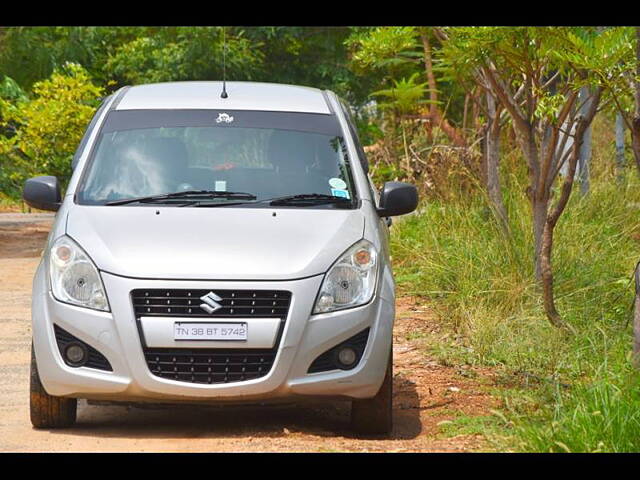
x: 216, y: 249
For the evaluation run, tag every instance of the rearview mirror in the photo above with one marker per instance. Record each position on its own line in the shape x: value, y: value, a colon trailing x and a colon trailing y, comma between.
x: 397, y: 198
x: 43, y: 193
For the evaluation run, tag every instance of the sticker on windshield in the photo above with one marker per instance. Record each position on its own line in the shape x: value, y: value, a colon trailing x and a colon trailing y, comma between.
x: 221, y: 186
x: 339, y: 193
x: 224, y: 117
x: 337, y: 183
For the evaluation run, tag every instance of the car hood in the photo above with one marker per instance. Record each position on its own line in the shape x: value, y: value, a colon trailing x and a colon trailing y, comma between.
x: 214, y: 243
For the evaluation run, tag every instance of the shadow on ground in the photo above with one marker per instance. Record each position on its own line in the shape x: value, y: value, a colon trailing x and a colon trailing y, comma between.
x: 194, y: 421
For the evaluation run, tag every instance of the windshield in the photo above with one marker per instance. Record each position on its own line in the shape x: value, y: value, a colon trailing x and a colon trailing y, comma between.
x: 273, y: 155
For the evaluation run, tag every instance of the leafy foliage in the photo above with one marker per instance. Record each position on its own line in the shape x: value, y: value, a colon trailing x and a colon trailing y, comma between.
x: 405, y: 96
x: 31, y: 54
x: 45, y: 130
x: 184, y: 53
x: 114, y: 56
x: 384, y: 47
x: 312, y: 56
x: 11, y: 91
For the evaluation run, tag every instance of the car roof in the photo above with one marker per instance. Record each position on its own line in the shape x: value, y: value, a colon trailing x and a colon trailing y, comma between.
x: 241, y: 96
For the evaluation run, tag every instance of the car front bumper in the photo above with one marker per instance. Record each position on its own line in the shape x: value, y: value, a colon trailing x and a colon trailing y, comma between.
x: 115, y: 334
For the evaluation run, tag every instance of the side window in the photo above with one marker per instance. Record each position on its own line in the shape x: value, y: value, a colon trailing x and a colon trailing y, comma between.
x: 375, y: 196
x: 354, y: 134
x: 87, y: 133
x: 361, y: 153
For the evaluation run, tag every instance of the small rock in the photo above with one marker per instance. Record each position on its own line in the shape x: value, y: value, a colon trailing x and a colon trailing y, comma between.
x: 453, y: 389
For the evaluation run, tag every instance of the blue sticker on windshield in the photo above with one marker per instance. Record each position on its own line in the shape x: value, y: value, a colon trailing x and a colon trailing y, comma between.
x: 339, y: 193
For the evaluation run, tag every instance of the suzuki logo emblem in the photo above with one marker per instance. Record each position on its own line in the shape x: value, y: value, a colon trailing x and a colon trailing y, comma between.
x: 224, y: 117
x: 210, y: 304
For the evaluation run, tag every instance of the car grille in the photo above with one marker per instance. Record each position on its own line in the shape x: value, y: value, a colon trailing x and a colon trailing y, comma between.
x: 233, y: 303
x: 211, y: 365
x: 208, y: 365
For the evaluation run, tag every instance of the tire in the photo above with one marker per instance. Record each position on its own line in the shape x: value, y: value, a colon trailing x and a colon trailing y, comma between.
x: 48, y: 411
x: 374, y: 416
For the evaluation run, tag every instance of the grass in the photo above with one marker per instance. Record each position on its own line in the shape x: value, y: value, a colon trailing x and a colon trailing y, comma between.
x: 600, y: 415
x: 9, y: 204
x: 469, y: 425
x: 561, y: 392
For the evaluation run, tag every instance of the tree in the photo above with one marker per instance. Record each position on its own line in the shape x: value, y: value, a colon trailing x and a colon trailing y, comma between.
x: 491, y: 159
x: 549, y: 66
x: 31, y: 54
x: 584, y: 160
x: 115, y: 56
x: 622, y: 83
x: 635, y: 130
x: 184, y: 53
x: 404, y: 97
x: 620, y: 162
x: 42, y: 132
x: 312, y: 56
x: 466, y: 73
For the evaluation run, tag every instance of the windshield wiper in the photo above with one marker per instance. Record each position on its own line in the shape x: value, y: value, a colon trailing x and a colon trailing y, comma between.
x: 305, y: 199
x: 186, y: 195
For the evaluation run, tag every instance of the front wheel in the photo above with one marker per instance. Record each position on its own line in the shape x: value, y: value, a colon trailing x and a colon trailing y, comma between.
x: 48, y: 411
x: 375, y: 415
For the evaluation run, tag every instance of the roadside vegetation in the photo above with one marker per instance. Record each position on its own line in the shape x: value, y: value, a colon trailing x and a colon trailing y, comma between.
x: 561, y: 391
x: 524, y: 143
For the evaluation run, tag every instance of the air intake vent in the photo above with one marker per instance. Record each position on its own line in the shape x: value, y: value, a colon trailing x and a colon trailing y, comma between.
x: 329, y: 359
x: 95, y: 358
x: 200, y: 365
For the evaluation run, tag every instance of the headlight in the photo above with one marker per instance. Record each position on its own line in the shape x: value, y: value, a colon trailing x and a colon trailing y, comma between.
x: 74, y: 277
x: 351, y: 281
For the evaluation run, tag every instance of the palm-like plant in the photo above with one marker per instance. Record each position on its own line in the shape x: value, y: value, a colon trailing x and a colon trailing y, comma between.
x: 404, y: 97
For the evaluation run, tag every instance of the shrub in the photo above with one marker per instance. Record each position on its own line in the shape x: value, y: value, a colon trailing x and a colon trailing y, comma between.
x: 41, y: 133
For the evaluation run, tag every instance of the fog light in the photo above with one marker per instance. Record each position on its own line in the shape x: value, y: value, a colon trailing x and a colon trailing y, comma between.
x: 76, y: 354
x: 347, y: 356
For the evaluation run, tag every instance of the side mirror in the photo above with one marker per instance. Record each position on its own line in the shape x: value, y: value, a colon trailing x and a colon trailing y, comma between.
x: 42, y: 193
x: 397, y: 198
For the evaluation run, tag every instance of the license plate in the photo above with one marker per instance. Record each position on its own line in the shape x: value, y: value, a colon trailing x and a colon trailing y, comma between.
x: 210, y: 331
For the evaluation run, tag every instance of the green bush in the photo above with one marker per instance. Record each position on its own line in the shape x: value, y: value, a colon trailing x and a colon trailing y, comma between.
x: 41, y: 133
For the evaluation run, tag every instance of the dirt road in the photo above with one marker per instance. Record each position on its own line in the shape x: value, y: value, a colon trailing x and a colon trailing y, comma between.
x: 426, y: 393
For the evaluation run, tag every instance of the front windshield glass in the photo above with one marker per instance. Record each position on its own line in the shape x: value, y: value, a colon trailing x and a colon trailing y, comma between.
x: 265, y: 162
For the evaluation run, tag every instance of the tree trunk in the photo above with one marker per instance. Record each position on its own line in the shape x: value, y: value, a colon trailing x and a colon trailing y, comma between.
x: 435, y: 116
x: 582, y: 124
x: 539, y: 199
x: 635, y: 140
x: 547, y: 278
x: 619, y: 147
x: 635, y: 124
x: 492, y: 163
x: 428, y: 67
x: 584, y: 162
x: 636, y: 320
x: 540, y: 208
